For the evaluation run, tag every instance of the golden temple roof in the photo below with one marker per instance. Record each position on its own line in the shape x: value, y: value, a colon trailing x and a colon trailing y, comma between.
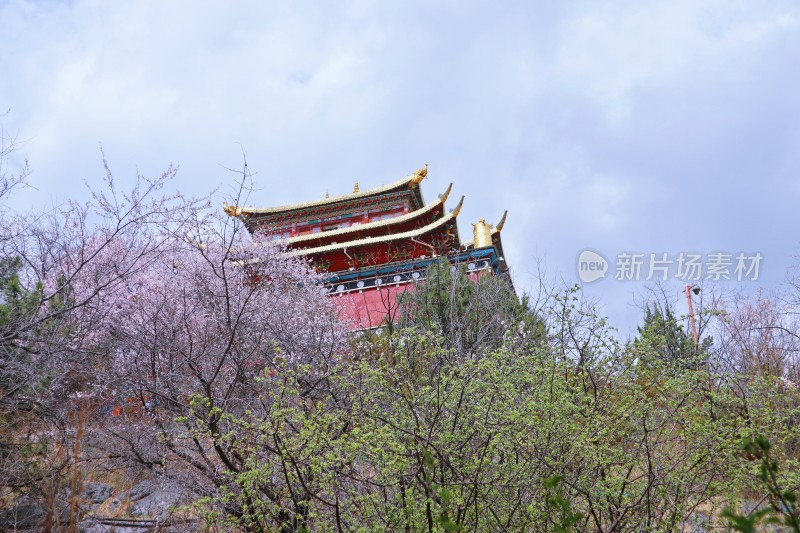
x: 376, y: 240
x: 377, y: 224
x: 409, y: 181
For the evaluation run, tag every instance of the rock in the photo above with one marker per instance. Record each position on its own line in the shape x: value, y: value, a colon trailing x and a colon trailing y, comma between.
x: 63, y: 510
x: 158, y: 501
x: 697, y: 523
x: 25, y: 515
x: 142, y: 490
x: 96, y: 493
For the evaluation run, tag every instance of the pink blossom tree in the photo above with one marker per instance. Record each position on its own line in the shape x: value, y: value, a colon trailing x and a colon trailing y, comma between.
x: 758, y: 336
x: 156, y: 306
x: 194, y: 342
x: 62, y: 271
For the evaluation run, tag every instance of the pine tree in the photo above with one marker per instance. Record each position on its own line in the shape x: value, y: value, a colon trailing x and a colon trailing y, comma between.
x: 662, y: 340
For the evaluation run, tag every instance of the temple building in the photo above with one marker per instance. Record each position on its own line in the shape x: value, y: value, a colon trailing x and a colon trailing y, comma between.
x: 377, y: 243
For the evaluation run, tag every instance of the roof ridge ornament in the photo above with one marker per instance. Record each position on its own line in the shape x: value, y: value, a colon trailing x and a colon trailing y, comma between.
x: 355, y: 189
x: 418, y: 176
x: 445, y: 194
x: 458, y: 208
x: 232, y: 210
x: 501, y: 223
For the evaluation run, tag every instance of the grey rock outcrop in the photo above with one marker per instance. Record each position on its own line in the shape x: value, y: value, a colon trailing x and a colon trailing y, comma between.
x: 96, y: 493
x: 155, y: 499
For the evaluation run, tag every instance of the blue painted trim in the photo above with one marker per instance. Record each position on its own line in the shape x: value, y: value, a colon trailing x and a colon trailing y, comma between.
x: 418, y: 264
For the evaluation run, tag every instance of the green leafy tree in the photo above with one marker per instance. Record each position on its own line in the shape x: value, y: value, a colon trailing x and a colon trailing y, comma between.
x: 783, y: 508
x: 471, y: 314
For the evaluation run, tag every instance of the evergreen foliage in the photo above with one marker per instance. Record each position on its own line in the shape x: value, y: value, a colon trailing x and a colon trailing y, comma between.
x: 17, y: 309
x: 662, y: 340
x: 471, y: 314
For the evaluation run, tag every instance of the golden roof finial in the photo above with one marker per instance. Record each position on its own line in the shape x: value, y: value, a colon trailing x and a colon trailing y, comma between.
x: 500, y: 224
x: 458, y: 207
x: 355, y: 189
x: 231, y: 210
x: 327, y: 195
x: 419, y: 175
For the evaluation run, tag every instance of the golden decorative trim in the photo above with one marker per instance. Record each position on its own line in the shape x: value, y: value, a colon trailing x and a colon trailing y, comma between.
x: 377, y: 240
x: 501, y: 223
x: 458, y: 207
x: 443, y: 196
x: 376, y: 224
x: 408, y: 181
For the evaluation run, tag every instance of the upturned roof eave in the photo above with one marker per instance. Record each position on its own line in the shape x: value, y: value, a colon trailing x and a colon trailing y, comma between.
x: 386, y: 238
x: 409, y: 181
x: 374, y: 225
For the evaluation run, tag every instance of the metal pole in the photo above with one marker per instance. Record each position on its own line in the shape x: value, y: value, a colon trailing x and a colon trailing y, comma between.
x: 688, y: 291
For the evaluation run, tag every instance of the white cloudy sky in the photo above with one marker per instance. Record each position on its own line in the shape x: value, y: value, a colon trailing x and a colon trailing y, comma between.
x: 620, y: 126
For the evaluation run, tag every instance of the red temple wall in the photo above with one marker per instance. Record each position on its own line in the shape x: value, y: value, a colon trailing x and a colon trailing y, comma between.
x: 369, y: 309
